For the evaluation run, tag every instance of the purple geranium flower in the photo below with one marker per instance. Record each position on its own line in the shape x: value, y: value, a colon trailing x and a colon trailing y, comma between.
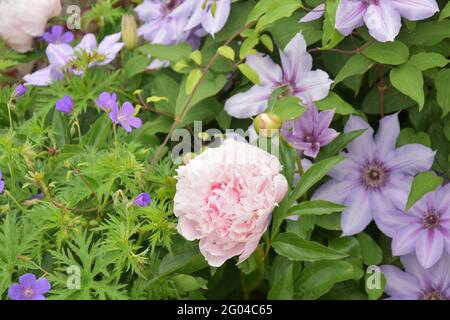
x: 210, y: 14
x: 417, y: 283
x: 125, y: 117
x: 425, y: 228
x: 310, y: 131
x: 103, y: 53
x: 165, y: 21
x: 107, y: 101
x: 376, y: 176
x: 143, y: 199
x: 56, y: 35
x: 295, y: 74
x: 20, y: 90
x: 382, y: 17
x: 65, y: 104
x: 2, y: 183
x: 29, y: 288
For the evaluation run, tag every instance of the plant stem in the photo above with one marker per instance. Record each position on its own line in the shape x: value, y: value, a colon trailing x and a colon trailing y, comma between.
x: 381, y: 89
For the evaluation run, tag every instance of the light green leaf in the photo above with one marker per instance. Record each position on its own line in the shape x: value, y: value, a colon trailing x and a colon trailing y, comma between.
x: 422, y: 184
x: 371, y: 252
x: 356, y: 65
x: 227, y: 52
x: 333, y: 101
x: 442, y: 88
x: 315, y: 207
x: 251, y: 74
x: 192, y: 80
x: 408, y: 80
x: 393, y: 53
x: 427, y: 60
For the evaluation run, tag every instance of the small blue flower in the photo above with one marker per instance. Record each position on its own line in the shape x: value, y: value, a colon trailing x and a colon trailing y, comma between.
x: 65, y: 104
x: 20, y: 90
x: 143, y: 199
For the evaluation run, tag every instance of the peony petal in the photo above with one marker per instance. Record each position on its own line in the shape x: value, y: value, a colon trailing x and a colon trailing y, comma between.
x: 188, y: 229
x: 349, y: 15
x: 358, y: 214
x: 411, y: 159
x: 248, y: 104
x: 404, y: 241
x: 415, y: 9
x: 386, y: 137
x: 280, y: 186
x: 269, y: 72
x: 400, y: 283
x: 383, y: 21
x: 429, y: 247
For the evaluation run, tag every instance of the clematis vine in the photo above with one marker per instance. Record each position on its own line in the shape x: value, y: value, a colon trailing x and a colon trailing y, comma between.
x: 310, y: 131
x: 376, y: 176
x: 210, y: 14
x: 416, y: 282
x: 56, y: 35
x: 295, y: 73
x: 382, y: 17
x: 63, y: 58
x: 424, y: 229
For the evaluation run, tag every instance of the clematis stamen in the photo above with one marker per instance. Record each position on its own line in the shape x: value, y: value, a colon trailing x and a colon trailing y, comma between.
x: 374, y: 175
x: 431, y: 220
x: 433, y: 294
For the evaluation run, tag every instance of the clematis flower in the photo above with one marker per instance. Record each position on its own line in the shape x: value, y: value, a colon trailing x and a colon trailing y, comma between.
x: 107, y: 101
x: 376, y: 176
x: 65, y: 104
x: 56, y: 35
x: 143, y: 199
x: 424, y: 229
x: 382, y: 17
x: 417, y: 283
x: 314, y: 14
x: 29, y: 288
x: 21, y: 20
x: 225, y: 197
x: 210, y: 14
x: 125, y: 117
x: 310, y: 131
x: 295, y: 73
x: 165, y: 21
x: 2, y: 183
x: 100, y: 54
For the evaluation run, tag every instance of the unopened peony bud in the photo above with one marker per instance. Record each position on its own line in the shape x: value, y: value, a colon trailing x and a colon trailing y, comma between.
x: 129, y: 31
x: 266, y: 124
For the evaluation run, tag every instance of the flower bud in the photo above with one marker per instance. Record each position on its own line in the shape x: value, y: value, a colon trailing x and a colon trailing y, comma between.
x: 129, y: 31
x: 266, y: 124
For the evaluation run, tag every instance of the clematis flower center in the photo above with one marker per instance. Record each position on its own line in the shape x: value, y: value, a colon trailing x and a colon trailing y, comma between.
x: 309, y: 138
x: 172, y: 4
x: 374, y: 175
x: 433, y: 294
x: 431, y: 220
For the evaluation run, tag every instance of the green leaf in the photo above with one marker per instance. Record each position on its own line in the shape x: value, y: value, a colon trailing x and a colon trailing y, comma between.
x: 371, y: 252
x: 267, y: 42
x: 251, y: 74
x: 331, y: 36
x: 288, y: 108
x: 287, y: 159
x: 315, y: 207
x: 135, y: 65
x: 408, y: 80
x: 227, y: 52
x: 173, y: 53
x: 374, y: 293
x: 60, y: 129
x: 283, y: 289
x: 295, y: 248
x: 197, y: 57
x: 427, y: 60
x: 443, y: 93
x: 248, y: 46
x: 409, y: 135
x: 393, y: 53
x: 422, y: 184
x: 445, y: 13
x: 275, y: 11
x: 428, y: 34
x: 192, y: 80
x: 356, y: 65
x: 338, y: 144
x: 333, y: 101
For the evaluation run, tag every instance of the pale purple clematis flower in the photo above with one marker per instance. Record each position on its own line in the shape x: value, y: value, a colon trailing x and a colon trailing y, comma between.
x: 2, y: 183
x: 165, y: 21
x: 314, y: 14
x: 310, y: 131
x: 143, y: 199
x: 425, y: 228
x: 382, y: 17
x: 107, y: 101
x: 65, y: 104
x: 417, y: 283
x: 125, y: 117
x: 210, y: 14
x: 295, y: 74
x: 56, y: 35
x: 29, y: 288
x: 376, y: 176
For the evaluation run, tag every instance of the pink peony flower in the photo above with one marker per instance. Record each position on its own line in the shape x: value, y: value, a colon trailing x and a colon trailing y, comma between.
x: 225, y: 197
x: 21, y: 20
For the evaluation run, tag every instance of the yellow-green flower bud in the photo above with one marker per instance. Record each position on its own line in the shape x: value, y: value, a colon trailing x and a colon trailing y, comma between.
x: 129, y: 31
x: 267, y: 124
